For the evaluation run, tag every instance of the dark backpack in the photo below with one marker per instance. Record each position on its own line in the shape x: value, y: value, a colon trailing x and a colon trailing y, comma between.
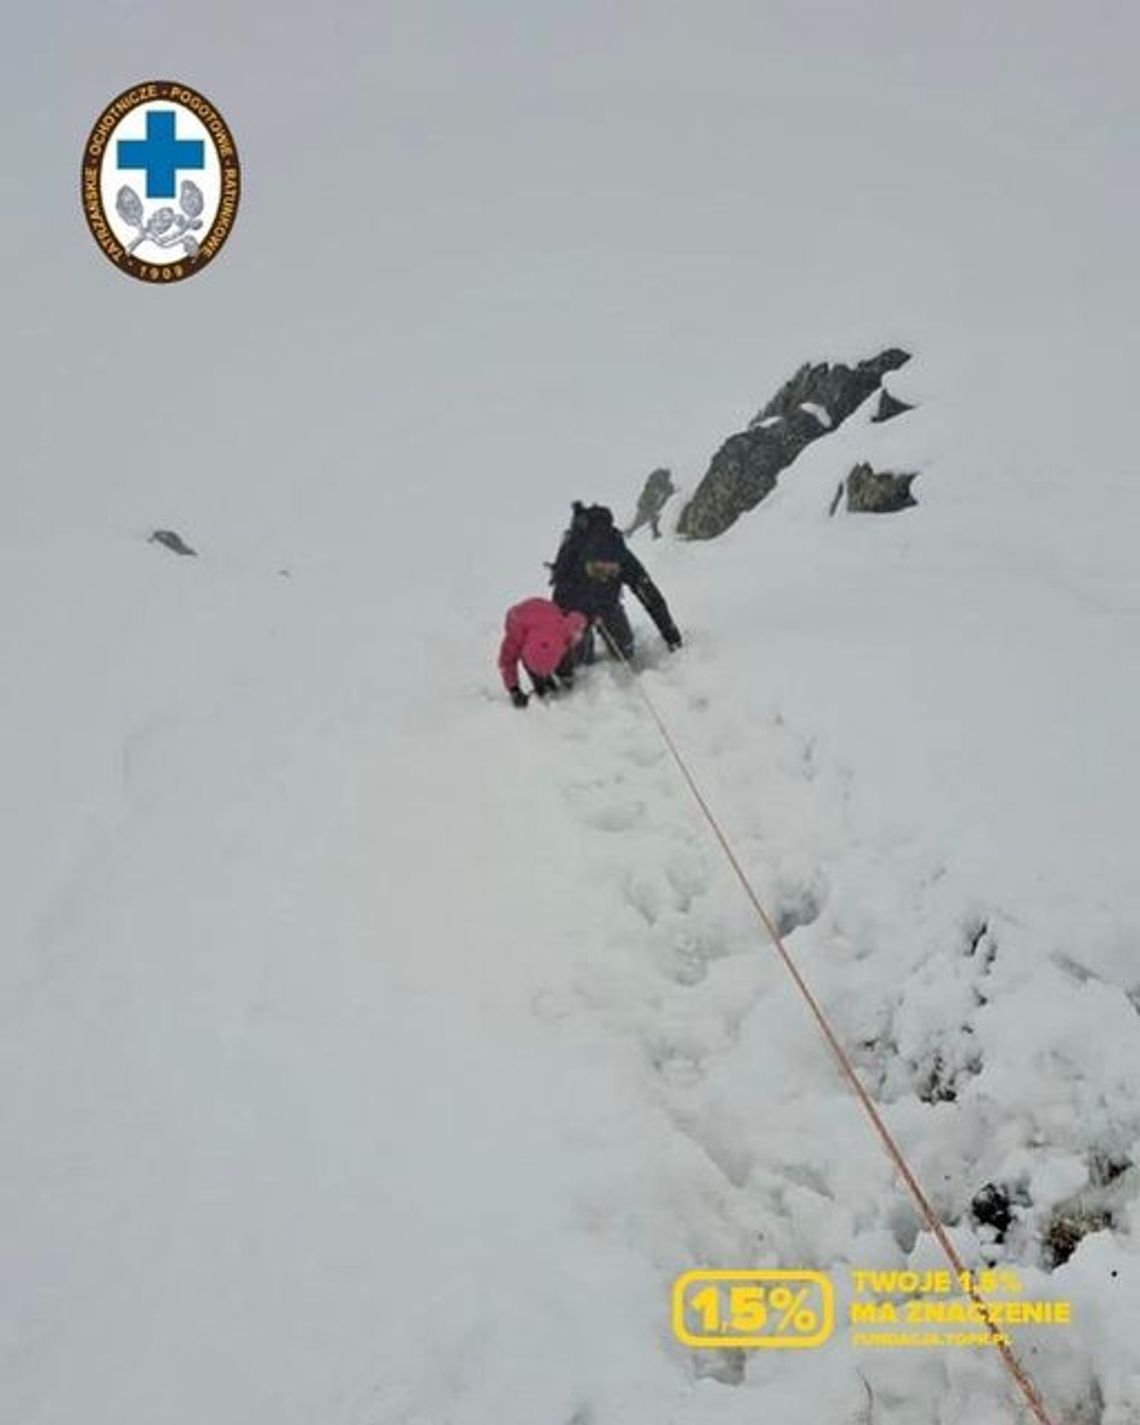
x: 586, y: 573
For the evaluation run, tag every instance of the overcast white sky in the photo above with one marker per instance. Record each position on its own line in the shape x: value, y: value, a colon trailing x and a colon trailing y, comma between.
x: 534, y: 249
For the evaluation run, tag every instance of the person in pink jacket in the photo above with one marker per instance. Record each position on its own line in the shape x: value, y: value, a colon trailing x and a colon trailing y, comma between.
x: 542, y: 638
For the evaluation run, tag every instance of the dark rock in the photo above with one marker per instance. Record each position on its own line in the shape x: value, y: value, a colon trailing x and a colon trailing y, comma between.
x: 1066, y: 1229
x: 889, y: 407
x: 878, y: 492
x: 816, y: 400
x: 839, y: 389
x: 172, y: 541
x: 652, y: 500
x: 1101, y: 1206
x: 991, y: 1208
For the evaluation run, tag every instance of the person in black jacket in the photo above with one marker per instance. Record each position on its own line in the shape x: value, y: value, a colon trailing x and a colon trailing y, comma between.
x: 590, y: 570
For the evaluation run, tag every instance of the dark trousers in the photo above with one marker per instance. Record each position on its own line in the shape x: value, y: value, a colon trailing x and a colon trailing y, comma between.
x: 619, y: 632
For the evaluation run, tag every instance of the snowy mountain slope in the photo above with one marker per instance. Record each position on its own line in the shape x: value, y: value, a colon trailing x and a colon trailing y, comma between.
x: 375, y: 1053
x: 333, y: 1007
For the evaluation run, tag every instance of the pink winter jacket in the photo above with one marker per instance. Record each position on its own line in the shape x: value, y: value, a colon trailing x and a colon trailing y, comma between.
x: 539, y: 634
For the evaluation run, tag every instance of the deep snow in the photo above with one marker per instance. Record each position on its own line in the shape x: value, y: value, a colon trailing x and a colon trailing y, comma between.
x: 374, y: 1052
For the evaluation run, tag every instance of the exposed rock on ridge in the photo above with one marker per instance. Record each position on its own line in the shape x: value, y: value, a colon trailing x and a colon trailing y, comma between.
x: 878, y: 492
x: 815, y: 401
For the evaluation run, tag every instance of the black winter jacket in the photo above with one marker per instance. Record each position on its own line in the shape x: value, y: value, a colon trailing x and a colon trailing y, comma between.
x: 592, y: 566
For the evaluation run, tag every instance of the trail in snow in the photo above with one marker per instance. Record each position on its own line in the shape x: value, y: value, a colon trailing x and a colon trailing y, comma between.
x: 419, y: 1044
x: 907, y: 965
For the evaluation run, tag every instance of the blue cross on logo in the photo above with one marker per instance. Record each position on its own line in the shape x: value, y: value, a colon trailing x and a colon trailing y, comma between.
x: 160, y: 153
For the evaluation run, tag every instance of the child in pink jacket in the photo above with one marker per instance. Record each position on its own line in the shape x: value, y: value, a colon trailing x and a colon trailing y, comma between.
x: 543, y: 638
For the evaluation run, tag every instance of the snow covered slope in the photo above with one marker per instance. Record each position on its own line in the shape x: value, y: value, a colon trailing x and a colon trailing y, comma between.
x: 375, y: 1053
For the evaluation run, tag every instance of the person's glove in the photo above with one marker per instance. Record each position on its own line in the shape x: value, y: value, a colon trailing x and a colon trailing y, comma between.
x: 672, y: 639
x: 518, y: 697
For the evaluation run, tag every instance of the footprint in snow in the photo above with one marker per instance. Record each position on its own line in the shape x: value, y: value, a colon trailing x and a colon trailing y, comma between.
x: 796, y: 906
x: 687, y: 881
x: 644, y: 896
x: 680, y: 1070
x: 605, y: 812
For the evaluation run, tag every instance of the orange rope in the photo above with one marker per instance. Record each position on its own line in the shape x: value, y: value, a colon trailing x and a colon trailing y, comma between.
x: 894, y: 1152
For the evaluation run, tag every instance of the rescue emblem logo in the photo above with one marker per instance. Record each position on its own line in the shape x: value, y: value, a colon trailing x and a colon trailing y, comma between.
x: 161, y: 181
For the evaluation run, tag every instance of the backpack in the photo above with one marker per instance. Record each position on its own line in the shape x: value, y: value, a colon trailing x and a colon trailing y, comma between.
x: 586, y: 522
x: 586, y: 572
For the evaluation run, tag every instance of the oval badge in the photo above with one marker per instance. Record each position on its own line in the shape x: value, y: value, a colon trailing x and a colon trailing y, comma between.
x: 161, y: 181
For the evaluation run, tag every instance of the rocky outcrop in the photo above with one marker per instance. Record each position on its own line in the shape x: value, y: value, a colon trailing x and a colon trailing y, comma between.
x: 816, y: 400
x: 878, y: 492
x: 652, y: 500
x: 889, y: 407
x: 171, y: 541
x: 839, y: 389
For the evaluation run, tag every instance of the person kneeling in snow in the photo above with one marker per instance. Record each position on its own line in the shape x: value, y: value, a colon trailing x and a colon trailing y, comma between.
x: 543, y: 638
